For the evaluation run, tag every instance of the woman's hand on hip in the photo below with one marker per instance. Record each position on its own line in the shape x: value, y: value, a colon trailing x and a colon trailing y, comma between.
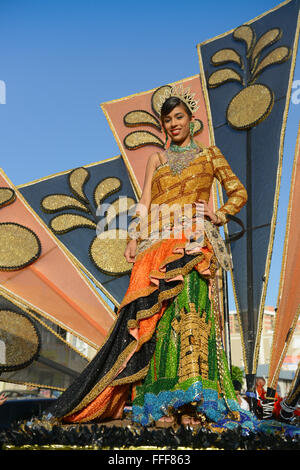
x: 208, y: 212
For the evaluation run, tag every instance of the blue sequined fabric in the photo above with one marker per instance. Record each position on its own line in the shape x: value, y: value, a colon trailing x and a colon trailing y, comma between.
x: 215, y: 409
x: 167, y: 388
x: 157, y: 406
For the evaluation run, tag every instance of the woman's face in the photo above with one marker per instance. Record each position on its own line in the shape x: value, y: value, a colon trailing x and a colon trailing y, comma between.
x: 177, y: 124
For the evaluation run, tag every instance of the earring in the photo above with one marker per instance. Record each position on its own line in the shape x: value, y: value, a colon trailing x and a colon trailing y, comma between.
x: 192, y: 127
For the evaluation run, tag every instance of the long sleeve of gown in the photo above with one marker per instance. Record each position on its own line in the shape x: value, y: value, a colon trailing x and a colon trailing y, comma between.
x: 235, y: 190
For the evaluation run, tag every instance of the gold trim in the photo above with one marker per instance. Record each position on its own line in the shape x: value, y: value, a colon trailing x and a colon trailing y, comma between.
x: 258, y: 118
x: 273, y: 380
x: 246, y: 23
x: 135, y: 344
x: 65, y: 172
x: 21, y: 247
x: 106, y: 380
x: 225, y: 227
x: 292, y: 394
x: 31, y: 312
x: 217, y: 188
x: 276, y: 196
x: 22, y: 340
x: 56, y: 334
x: 142, y: 314
x: 289, y: 210
x: 9, y: 447
x: 9, y: 200
x: 132, y: 378
x: 31, y: 384
x: 77, y: 265
x: 75, y: 261
x: 92, y: 278
x: 222, y: 217
x: 23, y: 304
x: 139, y: 93
x: 134, y: 180
x: 131, y: 297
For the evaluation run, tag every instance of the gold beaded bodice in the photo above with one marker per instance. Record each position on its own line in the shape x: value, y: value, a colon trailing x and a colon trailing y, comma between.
x: 182, y: 185
x: 194, y: 182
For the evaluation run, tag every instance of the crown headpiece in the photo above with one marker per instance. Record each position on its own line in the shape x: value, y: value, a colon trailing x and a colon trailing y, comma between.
x: 184, y: 94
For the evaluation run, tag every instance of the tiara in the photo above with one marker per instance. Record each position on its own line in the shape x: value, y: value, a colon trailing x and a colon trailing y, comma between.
x: 184, y: 95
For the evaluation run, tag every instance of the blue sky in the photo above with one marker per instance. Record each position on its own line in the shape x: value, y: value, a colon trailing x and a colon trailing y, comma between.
x: 61, y: 58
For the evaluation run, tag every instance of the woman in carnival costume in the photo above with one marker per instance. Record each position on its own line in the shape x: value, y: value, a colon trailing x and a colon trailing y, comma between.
x: 164, y: 350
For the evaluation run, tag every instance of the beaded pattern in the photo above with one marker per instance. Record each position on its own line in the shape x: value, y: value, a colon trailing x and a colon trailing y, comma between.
x: 185, y: 178
x: 180, y: 160
x: 166, y: 286
x: 195, y: 182
x: 189, y: 364
x: 21, y: 338
x: 19, y: 246
x: 7, y: 196
x: 77, y: 181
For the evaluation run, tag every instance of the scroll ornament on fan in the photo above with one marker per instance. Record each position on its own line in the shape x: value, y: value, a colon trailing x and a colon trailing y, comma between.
x: 254, y: 103
x: 106, y: 249
x: 138, y: 118
x: 19, y: 245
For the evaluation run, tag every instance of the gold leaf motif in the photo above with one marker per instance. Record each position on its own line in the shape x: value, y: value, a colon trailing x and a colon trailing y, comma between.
x: 105, y: 188
x: 267, y: 39
x: 141, y: 118
x: 219, y: 77
x: 120, y: 206
x: 66, y: 222
x: 245, y: 33
x: 7, y: 196
x: 277, y: 56
x: 107, y: 252
x: 156, y: 97
x: 194, y: 351
x: 57, y: 202
x: 138, y: 139
x: 250, y: 106
x: 77, y: 180
x: 19, y: 246
x: 20, y: 338
x: 224, y: 56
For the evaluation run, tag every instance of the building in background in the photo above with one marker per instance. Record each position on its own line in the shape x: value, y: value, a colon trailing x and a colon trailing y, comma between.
x: 291, y: 360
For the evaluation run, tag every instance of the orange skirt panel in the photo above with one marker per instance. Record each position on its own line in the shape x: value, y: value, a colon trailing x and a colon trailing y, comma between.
x: 150, y: 266
x: 111, y: 401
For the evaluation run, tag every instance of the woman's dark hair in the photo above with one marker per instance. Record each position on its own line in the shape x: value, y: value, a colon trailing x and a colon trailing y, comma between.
x: 170, y: 104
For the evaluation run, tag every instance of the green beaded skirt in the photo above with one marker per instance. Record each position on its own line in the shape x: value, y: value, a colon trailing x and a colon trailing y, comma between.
x: 189, y: 364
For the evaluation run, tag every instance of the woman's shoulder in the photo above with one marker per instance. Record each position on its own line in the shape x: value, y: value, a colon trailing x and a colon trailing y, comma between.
x: 204, y: 150
x: 212, y: 149
x: 156, y: 159
x: 213, y: 153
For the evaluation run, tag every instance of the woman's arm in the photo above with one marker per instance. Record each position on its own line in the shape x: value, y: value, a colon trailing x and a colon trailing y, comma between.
x: 152, y: 164
x: 143, y: 206
x: 235, y: 190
